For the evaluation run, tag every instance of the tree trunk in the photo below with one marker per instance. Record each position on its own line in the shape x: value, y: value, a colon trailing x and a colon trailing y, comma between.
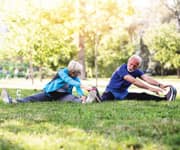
x: 178, y: 29
x: 41, y: 74
x: 81, y: 56
x: 178, y: 72
x: 31, y: 69
x: 31, y: 73
x: 80, y: 39
x: 96, y: 58
x: 177, y: 14
x: 162, y: 71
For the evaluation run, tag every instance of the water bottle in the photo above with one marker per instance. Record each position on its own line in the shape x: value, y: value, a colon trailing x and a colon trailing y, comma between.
x: 18, y: 94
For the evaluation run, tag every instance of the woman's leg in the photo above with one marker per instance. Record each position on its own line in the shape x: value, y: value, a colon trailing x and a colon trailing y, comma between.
x: 70, y: 98
x: 62, y: 96
x: 36, y: 97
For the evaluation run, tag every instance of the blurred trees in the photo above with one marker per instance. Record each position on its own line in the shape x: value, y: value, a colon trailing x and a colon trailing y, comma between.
x: 100, y: 34
x: 164, y: 43
x: 46, y: 38
x: 163, y: 37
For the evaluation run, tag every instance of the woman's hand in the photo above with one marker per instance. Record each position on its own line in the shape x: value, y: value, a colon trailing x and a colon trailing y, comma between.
x: 83, y: 99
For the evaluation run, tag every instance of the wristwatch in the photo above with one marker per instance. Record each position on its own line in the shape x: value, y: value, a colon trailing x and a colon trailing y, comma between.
x: 159, y: 85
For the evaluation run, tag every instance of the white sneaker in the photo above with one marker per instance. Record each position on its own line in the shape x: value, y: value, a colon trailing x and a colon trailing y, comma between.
x: 5, y: 96
x: 91, y: 97
x: 98, y: 97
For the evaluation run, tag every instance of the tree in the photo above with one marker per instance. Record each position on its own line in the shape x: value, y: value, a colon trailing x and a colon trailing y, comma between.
x: 174, y: 7
x: 41, y: 41
x: 164, y: 41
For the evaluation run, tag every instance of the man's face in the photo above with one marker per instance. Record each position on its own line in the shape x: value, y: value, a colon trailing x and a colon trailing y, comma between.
x: 133, y: 64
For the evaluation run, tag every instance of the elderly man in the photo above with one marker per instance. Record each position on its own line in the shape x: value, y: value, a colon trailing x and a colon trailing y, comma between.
x: 126, y: 75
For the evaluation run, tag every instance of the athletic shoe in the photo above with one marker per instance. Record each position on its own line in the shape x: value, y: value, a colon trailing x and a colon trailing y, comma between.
x: 91, y: 97
x: 98, y: 97
x: 169, y: 95
x: 174, y: 93
x: 15, y: 101
x: 5, y: 96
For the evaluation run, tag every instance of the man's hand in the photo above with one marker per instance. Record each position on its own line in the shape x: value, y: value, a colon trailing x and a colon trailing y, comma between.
x: 162, y: 86
x: 86, y: 88
x: 153, y: 82
x: 156, y: 90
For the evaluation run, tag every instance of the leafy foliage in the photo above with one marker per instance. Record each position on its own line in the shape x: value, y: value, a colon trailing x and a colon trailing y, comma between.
x: 164, y: 43
x: 48, y: 38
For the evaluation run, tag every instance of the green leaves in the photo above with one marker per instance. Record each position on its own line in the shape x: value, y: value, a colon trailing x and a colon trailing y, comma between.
x: 164, y: 43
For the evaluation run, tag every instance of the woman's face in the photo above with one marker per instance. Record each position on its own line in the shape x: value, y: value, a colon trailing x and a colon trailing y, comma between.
x: 74, y: 73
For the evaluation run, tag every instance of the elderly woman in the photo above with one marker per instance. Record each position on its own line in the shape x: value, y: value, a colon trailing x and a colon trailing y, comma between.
x: 59, y: 88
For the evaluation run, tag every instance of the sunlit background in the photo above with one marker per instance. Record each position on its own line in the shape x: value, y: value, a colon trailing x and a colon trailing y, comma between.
x: 43, y: 35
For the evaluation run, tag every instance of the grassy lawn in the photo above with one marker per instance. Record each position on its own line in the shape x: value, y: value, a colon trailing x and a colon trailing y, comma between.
x: 130, y: 125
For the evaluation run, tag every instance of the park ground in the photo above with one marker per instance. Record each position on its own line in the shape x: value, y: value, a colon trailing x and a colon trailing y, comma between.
x: 115, y: 125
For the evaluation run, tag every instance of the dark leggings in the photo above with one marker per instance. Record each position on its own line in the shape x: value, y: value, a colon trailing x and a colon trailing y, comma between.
x: 143, y: 97
x: 106, y: 96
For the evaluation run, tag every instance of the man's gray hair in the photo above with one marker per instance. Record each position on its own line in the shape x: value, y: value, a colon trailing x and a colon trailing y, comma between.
x: 74, y: 66
x: 137, y: 57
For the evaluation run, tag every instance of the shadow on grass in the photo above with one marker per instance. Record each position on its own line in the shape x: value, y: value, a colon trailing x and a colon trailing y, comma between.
x: 9, y: 145
x: 131, y: 125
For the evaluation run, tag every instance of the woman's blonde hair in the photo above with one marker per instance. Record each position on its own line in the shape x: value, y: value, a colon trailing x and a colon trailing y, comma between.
x: 74, y: 66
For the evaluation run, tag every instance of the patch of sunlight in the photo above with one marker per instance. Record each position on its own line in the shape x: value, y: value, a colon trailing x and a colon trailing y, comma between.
x: 53, y: 137
x: 132, y: 143
x: 2, y: 110
x: 11, y: 123
x: 67, y: 138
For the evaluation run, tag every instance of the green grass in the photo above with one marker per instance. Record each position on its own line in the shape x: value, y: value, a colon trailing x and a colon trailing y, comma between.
x: 130, y: 125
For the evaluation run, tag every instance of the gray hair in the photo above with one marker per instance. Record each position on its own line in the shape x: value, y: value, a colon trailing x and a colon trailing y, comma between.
x: 137, y: 57
x: 74, y: 66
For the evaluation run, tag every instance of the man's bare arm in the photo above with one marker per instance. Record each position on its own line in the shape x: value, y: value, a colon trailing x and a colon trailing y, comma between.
x: 153, y: 82
x: 140, y: 84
